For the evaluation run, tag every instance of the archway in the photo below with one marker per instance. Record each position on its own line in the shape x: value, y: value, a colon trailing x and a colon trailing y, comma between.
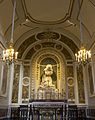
x: 47, y: 56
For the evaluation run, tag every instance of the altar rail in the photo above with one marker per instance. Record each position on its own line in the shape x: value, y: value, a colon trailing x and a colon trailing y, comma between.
x: 91, y: 112
x: 63, y: 113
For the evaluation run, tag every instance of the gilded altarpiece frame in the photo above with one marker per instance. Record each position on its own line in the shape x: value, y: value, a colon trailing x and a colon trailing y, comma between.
x: 36, y: 73
x: 71, y: 83
x: 49, y: 59
x: 90, y: 81
x: 16, y: 79
x: 80, y: 81
x: 25, y: 83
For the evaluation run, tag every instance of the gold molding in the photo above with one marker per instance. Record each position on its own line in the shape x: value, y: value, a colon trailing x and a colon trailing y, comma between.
x: 36, y: 59
x: 64, y: 40
x: 47, y: 55
x: 67, y: 16
x: 42, y: 57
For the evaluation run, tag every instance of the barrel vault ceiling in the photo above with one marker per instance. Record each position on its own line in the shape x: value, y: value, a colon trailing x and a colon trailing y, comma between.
x: 33, y: 16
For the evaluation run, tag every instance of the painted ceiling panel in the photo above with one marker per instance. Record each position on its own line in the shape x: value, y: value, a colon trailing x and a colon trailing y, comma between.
x: 48, y: 14
x: 47, y: 10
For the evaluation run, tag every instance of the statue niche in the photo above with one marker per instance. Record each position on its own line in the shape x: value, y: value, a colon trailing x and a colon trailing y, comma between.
x: 46, y: 78
x: 47, y: 88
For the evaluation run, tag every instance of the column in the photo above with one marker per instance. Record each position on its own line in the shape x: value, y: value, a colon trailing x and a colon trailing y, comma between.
x: 1, y: 75
x: 11, y: 75
x: 20, y: 85
x: 66, y: 84
x: 85, y: 83
x: 30, y: 83
x: 76, y: 84
x: 93, y: 70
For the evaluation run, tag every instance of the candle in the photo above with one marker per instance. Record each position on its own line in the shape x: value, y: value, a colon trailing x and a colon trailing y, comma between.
x: 81, y: 55
x: 3, y: 56
x: 76, y: 56
x: 86, y: 55
x: 7, y: 53
x: 89, y: 54
x: 12, y: 52
x: 16, y: 55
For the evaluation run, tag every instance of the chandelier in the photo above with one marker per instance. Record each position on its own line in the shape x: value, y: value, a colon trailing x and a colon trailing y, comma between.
x: 9, y: 55
x: 83, y: 56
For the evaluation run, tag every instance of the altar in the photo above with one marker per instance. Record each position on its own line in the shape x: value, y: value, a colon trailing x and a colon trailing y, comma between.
x: 47, y: 103
x: 47, y: 90
x: 48, y: 109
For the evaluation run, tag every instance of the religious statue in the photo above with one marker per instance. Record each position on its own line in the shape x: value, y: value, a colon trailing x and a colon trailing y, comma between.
x: 47, y: 89
x: 46, y: 78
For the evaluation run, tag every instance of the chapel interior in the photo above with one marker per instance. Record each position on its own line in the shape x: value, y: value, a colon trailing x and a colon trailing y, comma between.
x: 45, y: 80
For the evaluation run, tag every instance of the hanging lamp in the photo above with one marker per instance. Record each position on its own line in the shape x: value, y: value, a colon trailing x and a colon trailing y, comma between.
x: 83, y: 56
x: 9, y: 55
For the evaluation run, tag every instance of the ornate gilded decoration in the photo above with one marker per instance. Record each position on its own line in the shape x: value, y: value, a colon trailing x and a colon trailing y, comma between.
x: 16, y: 84
x: 66, y: 54
x: 47, y: 88
x: 44, y: 63
x: 47, y: 114
x: 58, y: 47
x: 25, y: 83
x: 70, y: 71
x: 40, y: 60
x: 37, y: 47
x: 30, y: 53
x: 43, y: 43
x: 69, y: 43
x: 26, y: 71
x: 48, y: 44
x: 80, y: 81
x: 25, y: 93
x: 25, y: 44
x: 70, y: 82
x: 48, y: 36
x: 71, y: 93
